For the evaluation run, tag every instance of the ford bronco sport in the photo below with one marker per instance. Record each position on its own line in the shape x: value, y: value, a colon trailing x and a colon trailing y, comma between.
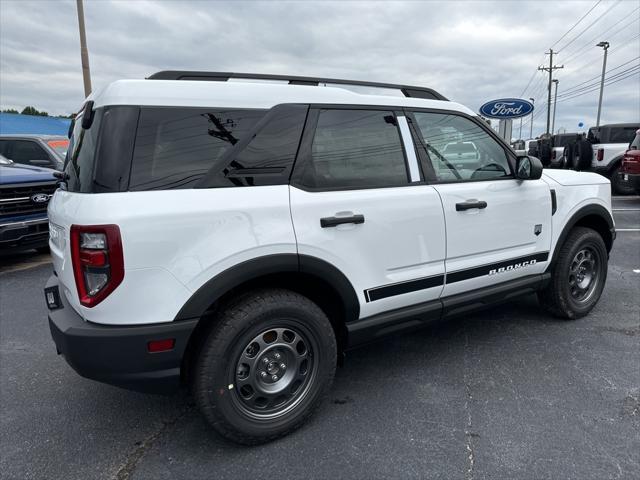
x: 238, y: 236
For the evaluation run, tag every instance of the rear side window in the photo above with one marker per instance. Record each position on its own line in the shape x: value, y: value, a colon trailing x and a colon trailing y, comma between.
x: 81, y: 155
x: 354, y: 149
x: 176, y: 147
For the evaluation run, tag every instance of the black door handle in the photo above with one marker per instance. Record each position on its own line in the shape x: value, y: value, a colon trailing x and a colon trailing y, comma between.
x: 470, y: 204
x: 333, y: 221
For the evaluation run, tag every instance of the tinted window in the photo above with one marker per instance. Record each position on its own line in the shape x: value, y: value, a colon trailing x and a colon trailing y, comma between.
x: 563, y: 140
x: 23, y: 151
x: 81, y: 155
x: 438, y: 131
x: 594, y: 135
x: 267, y: 157
x: 355, y: 149
x: 622, y: 134
x: 4, y: 147
x: 635, y: 143
x: 176, y: 147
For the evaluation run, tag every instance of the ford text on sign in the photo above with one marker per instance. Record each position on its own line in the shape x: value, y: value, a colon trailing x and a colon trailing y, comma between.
x: 506, y: 108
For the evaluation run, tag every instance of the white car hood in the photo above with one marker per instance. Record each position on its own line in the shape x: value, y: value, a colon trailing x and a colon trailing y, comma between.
x: 571, y: 178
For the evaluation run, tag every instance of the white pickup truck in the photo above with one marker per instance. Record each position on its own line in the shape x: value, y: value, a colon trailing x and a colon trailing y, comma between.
x: 609, y: 143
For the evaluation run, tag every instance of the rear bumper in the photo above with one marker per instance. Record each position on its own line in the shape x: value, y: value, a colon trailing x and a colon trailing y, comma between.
x: 24, y: 234
x: 118, y: 355
x: 633, y: 179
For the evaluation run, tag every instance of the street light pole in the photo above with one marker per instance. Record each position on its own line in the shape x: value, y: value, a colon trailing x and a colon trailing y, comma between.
x: 84, y: 54
x: 555, y: 102
x: 520, y: 136
x: 605, y: 46
x: 533, y: 101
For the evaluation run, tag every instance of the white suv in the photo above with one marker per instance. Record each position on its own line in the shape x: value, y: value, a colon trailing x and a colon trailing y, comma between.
x: 238, y: 236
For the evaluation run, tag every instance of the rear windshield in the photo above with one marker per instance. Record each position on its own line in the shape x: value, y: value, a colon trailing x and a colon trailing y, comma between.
x: 635, y: 143
x: 563, y: 140
x: 460, y: 148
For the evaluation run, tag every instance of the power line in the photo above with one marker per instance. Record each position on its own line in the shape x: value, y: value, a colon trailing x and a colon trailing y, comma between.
x: 590, y: 25
x: 598, y: 76
x: 615, y: 50
x: 601, y: 35
x: 576, y: 24
x: 596, y: 87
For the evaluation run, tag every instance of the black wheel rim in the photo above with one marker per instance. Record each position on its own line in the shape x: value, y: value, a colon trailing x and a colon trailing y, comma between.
x: 584, y: 274
x: 274, y: 371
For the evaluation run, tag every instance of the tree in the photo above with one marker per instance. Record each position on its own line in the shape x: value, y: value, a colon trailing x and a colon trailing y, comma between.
x: 33, y: 111
x: 10, y: 110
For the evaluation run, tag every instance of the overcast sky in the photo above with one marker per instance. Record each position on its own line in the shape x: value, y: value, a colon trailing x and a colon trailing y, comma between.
x: 469, y: 51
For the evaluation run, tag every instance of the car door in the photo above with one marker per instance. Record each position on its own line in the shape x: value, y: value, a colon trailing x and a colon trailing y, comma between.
x: 498, y: 227
x: 358, y: 202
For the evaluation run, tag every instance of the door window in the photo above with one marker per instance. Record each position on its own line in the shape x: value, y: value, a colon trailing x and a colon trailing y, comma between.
x: 459, y: 150
x: 24, y: 151
x: 355, y: 149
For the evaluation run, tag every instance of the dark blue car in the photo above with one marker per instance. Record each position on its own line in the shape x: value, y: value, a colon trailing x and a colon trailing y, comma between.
x: 24, y: 195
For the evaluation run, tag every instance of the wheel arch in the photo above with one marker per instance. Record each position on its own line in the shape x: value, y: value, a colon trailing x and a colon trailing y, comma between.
x: 613, y: 164
x: 595, y: 217
x: 317, y: 279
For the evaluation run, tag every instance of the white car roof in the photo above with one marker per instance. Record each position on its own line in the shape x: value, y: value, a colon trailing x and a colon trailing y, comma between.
x: 247, y: 94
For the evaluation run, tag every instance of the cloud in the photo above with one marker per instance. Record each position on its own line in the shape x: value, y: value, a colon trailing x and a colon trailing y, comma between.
x: 470, y: 51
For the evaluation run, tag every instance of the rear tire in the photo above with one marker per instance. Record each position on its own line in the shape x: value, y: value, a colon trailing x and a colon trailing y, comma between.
x: 618, y: 185
x: 582, y: 155
x: 578, y: 276
x: 265, y: 366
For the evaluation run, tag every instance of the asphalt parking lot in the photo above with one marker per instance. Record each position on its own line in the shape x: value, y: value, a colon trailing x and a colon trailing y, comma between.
x: 508, y: 393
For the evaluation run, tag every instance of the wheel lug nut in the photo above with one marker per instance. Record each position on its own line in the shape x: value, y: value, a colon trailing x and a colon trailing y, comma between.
x: 265, y: 360
x: 277, y: 356
x: 274, y: 378
x: 283, y: 366
x: 263, y: 374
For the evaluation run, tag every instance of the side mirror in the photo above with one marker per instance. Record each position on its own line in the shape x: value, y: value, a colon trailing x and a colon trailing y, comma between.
x: 528, y: 168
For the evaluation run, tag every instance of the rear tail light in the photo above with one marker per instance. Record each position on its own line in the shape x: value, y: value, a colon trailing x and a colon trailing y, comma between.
x: 600, y: 154
x: 98, y: 263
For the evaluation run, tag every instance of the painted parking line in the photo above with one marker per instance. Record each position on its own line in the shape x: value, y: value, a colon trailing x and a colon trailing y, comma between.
x: 626, y: 198
x: 627, y: 229
x: 626, y: 209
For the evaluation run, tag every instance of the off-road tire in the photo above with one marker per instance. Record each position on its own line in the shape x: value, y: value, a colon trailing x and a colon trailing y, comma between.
x: 618, y: 185
x: 219, y: 359
x: 557, y: 297
x: 567, y: 157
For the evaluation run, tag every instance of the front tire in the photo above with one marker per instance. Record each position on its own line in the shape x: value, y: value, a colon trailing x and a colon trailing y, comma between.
x: 578, y: 276
x: 265, y: 366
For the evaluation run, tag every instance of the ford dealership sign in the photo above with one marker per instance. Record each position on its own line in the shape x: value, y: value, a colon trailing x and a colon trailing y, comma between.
x: 506, y: 108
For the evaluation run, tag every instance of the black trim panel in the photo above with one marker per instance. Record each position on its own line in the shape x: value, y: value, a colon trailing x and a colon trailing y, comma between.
x: 378, y: 293
x: 466, y: 274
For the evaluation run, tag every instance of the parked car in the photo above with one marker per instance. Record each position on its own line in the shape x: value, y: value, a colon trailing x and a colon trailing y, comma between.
x: 630, y: 169
x: 602, y: 152
x: 238, y: 237
x: 46, y: 151
x: 24, y: 195
x: 559, y: 143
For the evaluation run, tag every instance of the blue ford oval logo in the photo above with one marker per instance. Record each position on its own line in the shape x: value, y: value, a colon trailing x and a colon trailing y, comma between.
x: 506, y: 108
x: 40, y: 198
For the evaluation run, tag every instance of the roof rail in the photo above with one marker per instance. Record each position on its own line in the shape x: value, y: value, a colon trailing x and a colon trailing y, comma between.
x: 408, y: 91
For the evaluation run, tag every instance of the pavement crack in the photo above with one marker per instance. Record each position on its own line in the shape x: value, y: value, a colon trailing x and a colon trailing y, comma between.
x: 127, y: 468
x: 468, y: 431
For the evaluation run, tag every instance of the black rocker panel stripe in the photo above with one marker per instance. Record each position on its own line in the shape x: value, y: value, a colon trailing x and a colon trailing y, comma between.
x: 378, y: 293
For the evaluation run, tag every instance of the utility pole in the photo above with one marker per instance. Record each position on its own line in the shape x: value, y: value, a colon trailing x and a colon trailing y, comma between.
x: 84, y: 54
x: 549, y: 69
x: 520, y: 136
x: 533, y: 101
x: 605, y: 46
x: 555, y: 103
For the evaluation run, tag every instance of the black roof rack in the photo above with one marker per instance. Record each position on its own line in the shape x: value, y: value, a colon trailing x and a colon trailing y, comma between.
x: 408, y: 91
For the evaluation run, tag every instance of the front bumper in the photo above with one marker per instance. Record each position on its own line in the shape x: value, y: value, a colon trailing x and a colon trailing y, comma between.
x: 24, y: 234
x: 118, y: 355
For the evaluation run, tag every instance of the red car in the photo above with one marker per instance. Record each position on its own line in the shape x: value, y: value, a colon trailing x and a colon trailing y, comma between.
x: 630, y: 169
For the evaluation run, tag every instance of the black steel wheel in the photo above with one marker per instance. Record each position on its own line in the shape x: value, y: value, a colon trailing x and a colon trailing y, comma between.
x: 578, y: 275
x: 265, y: 366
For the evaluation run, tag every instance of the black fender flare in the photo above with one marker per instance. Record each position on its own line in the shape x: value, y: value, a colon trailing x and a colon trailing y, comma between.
x: 613, y: 164
x: 243, y: 272
x: 583, y: 212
